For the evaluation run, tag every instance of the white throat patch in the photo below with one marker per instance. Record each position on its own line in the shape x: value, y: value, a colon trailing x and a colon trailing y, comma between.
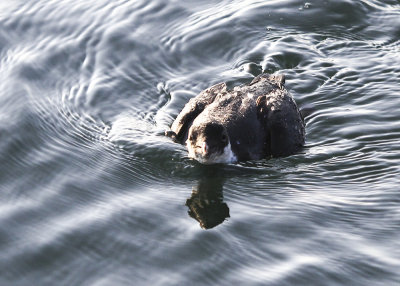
x: 226, y: 157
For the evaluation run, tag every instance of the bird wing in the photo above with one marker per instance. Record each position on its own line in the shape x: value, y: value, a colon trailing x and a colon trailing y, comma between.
x: 282, y: 121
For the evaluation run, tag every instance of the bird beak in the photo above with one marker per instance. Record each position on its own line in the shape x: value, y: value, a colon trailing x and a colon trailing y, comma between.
x: 204, y: 147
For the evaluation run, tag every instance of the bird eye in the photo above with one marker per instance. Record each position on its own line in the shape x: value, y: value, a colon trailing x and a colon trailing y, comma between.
x: 224, y: 138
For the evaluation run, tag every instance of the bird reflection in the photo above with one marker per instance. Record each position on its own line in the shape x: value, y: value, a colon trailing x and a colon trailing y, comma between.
x: 206, y: 204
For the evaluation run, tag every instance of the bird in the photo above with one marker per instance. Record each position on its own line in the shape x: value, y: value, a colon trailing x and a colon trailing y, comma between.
x: 252, y: 121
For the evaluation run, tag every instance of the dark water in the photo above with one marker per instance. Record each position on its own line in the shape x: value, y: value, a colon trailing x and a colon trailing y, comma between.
x: 91, y: 193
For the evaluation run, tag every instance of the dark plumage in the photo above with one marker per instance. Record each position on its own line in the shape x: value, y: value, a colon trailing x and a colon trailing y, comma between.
x: 249, y: 122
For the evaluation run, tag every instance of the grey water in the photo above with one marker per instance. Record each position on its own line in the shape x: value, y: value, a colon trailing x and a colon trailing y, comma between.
x: 92, y: 193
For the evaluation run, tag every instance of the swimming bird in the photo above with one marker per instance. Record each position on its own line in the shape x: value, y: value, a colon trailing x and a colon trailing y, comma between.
x: 249, y: 122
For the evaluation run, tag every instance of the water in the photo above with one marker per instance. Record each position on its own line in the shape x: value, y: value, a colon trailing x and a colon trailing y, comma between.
x: 92, y: 193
